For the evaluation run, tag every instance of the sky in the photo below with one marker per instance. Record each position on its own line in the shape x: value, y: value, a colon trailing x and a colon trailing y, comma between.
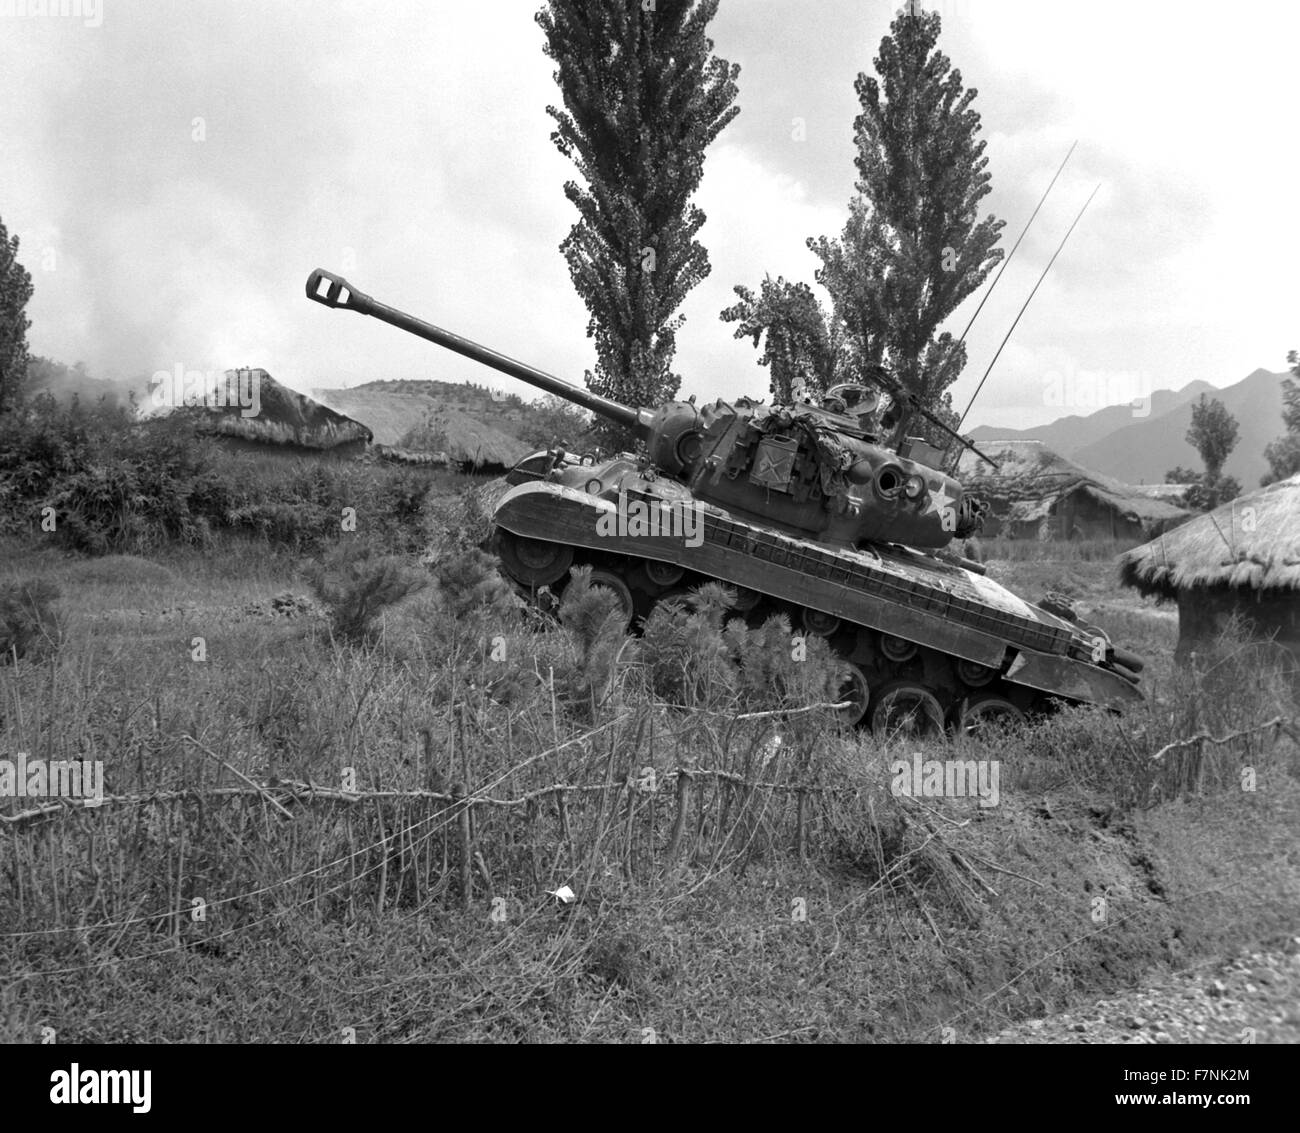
x: 174, y: 170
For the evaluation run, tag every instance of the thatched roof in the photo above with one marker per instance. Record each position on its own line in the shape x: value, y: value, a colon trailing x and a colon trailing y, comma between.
x: 283, y: 417
x: 408, y: 456
x: 416, y: 417
x: 1252, y: 542
x: 466, y: 440
x: 1031, y: 478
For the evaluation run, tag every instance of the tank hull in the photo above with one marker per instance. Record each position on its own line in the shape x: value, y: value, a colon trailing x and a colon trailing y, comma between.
x: 936, y: 606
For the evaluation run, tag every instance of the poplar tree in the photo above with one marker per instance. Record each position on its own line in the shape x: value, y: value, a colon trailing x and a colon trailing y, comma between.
x: 914, y: 245
x: 643, y: 98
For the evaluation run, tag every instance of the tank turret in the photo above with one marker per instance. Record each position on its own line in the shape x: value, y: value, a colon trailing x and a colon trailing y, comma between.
x: 816, y: 470
x: 803, y: 512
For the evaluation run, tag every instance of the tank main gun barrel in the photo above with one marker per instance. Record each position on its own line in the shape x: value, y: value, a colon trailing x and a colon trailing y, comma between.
x: 335, y: 291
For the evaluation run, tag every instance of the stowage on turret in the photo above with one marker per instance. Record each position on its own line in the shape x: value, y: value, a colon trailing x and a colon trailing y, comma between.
x: 803, y: 509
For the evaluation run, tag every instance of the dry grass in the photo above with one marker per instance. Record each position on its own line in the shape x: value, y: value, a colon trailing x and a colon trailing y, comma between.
x: 778, y: 892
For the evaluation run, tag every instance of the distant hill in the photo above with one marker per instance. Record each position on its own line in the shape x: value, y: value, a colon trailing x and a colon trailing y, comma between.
x: 1142, y: 449
x: 1068, y: 434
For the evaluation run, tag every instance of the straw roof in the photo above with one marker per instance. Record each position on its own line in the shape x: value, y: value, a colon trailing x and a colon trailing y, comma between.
x: 408, y: 456
x: 1252, y: 542
x: 1031, y: 478
x: 284, y: 417
x: 466, y: 440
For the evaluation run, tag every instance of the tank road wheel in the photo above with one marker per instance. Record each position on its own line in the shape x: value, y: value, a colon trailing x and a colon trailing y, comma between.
x: 906, y: 711
x: 616, y: 586
x: 988, y: 709
x: 663, y: 574
x: 857, y: 691
x: 745, y: 601
x: 975, y: 674
x: 896, y: 648
x: 533, y: 562
x: 820, y: 624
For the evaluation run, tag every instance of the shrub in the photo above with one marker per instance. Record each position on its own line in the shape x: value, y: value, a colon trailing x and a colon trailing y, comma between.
x: 355, y: 583
x: 29, y: 624
x: 120, y: 485
x: 593, y: 619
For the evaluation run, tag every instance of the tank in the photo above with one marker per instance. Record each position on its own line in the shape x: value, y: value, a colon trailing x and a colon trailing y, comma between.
x: 801, y: 509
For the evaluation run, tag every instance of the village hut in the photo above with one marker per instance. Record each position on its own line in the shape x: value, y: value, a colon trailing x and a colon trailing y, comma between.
x: 278, y: 420
x: 1240, y: 561
x: 1036, y: 493
x: 473, y: 444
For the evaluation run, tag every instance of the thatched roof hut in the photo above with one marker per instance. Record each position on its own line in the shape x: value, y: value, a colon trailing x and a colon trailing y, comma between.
x: 1241, y: 560
x: 283, y: 418
x: 472, y: 443
x: 1038, y: 494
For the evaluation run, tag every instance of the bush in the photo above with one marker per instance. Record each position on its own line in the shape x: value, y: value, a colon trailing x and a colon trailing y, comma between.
x: 355, y: 583
x: 29, y: 624
x: 121, y: 485
x: 593, y: 619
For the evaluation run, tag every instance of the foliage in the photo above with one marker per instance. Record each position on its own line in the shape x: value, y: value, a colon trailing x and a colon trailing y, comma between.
x: 470, y: 586
x: 117, y: 484
x: 592, y: 616
x: 643, y: 96
x: 803, y: 348
x: 913, y: 247
x: 551, y: 421
x: 1206, y: 494
x: 15, y: 292
x: 1213, y: 433
x: 1283, y: 454
x: 29, y: 623
x: 355, y: 583
x: 700, y: 946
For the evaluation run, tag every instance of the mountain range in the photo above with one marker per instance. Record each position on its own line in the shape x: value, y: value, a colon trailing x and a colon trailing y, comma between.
x: 1140, y: 450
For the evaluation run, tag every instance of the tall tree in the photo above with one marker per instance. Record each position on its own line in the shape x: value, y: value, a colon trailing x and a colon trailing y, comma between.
x: 913, y: 247
x: 1283, y: 454
x: 643, y: 96
x: 15, y: 291
x: 1213, y: 433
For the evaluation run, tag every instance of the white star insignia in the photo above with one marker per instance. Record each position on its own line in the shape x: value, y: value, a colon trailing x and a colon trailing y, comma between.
x: 940, y: 501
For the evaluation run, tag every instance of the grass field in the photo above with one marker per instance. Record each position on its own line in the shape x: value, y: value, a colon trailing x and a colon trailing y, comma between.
x: 728, y: 887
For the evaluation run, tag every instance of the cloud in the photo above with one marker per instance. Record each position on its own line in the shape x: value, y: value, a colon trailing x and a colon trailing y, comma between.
x: 407, y: 145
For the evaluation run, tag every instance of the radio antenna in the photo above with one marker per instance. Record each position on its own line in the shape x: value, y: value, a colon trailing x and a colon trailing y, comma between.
x: 1026, y: 304
x: 1011, y: 254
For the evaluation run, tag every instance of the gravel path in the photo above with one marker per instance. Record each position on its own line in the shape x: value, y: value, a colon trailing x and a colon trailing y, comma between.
x: 1253, y: 996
